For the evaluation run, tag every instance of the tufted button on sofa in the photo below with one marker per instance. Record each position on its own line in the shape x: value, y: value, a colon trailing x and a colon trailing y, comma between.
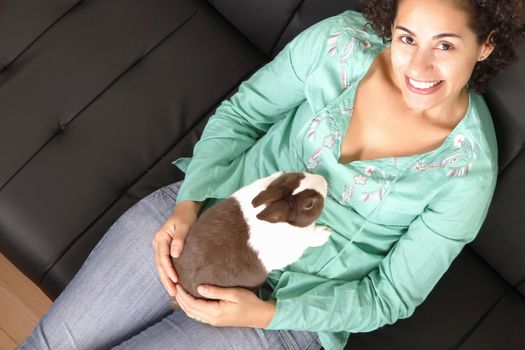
x: 98, y: 97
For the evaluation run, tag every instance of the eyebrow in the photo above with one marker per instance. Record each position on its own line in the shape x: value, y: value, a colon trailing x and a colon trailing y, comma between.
x: 438, y: 36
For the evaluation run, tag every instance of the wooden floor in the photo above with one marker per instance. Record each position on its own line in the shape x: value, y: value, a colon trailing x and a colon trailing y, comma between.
x: 22, y: 303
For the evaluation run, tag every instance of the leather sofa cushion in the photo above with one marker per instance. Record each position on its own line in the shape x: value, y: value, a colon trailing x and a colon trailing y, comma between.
x: 501, y: 241
x: 92, y: 109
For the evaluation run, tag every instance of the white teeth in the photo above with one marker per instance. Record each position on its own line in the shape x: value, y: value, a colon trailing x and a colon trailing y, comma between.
x: 423, y: 85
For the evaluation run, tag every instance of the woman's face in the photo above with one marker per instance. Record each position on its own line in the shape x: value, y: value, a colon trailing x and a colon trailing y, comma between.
x: 433, y: 52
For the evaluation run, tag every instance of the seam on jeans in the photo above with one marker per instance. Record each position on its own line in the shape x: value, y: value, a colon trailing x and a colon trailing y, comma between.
x: 286, y: 340
x: 169, y: 192
x: 315, y: 341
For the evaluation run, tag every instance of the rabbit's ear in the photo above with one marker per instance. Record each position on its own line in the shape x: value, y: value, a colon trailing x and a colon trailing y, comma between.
x: 278, y: 189
x: 278, y: 211
x: 287, y: 182
x: 267, y: 196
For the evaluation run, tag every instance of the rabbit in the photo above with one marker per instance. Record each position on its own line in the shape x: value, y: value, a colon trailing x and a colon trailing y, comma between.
x: 265, y: 225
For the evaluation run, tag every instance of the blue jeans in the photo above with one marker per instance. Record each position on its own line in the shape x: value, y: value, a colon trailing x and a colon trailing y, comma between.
x: 117, y: 300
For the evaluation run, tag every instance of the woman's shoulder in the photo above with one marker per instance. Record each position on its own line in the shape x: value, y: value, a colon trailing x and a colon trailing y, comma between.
x: 348, y: 18
x: 468, y: 156
x: 471, y: 150
x: 333, y: 53
x: 351, y: 24
x: 482, y: 129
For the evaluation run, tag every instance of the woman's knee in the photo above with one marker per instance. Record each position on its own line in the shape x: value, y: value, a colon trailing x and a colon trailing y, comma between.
x: 162, y: 201
x: 133, y: 231
x: 155, y: 208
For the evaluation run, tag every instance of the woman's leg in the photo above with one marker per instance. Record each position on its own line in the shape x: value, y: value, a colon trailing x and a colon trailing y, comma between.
x: 117, y: 298
x: 179, y: 332
x: 116, y: 293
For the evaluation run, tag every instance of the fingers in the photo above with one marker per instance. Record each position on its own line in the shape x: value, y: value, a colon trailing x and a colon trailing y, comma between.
x: 184, y: 300
x: 198, y: 309
x: 169, y: 241
x: 161, y: 247
x: 165, y: 259
x: 219, y: 293
x: 167, y: 283
x: 176, y: 248
x: 178, y: 240
x: 246, y: 312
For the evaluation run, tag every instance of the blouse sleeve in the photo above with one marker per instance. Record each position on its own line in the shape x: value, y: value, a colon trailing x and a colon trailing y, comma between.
x: 403, y: 278
x: 261, y: 101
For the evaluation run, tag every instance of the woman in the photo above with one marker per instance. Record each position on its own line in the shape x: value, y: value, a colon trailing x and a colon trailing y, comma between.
x: 408, y: 149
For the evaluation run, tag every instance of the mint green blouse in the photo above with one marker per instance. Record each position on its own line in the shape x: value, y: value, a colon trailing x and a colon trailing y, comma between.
x: 398, y: 222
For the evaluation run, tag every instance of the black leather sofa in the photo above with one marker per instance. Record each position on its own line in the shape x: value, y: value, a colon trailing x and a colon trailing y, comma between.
x: 97, y: 98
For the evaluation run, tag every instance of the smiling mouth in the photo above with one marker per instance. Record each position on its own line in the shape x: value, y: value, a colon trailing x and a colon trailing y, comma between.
x: 423, y: 87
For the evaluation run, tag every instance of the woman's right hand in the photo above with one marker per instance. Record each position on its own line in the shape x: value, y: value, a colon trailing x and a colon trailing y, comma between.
x: 169, y: 241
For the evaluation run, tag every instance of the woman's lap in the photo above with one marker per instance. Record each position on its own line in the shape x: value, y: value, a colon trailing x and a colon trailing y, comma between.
x: 177, y: 331
x: 116, y: 297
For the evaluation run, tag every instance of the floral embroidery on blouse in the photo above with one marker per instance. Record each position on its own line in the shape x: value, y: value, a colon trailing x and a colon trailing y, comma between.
x: 360, y: 179
x: 314, y: 160
x: 345, y: 197
x: 378, y: 182
x: 370, y: 182
x: 328, y: 142
x: 344, y: 43
x: 382, y: 181
x: 458, y: 163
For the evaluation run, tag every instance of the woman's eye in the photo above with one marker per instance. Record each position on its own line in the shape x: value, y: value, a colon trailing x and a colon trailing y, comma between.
x: 445, y: 47
x: 407, y: 40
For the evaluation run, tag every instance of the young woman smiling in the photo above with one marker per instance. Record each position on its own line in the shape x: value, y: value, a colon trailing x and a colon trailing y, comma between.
x: 384, y: 105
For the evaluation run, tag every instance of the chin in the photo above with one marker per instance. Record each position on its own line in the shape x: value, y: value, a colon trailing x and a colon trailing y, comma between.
x: 420, y: 103
x: 424, y: 102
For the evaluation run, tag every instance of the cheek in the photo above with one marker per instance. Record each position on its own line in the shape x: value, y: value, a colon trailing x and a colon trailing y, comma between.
x: 400, y: 61
x: 457, y: 72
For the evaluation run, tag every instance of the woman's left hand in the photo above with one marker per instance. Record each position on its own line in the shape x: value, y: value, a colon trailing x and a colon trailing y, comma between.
x: 231, y: 307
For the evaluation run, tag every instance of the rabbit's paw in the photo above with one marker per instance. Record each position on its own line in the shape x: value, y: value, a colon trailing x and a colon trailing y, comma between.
x: 320, y: 235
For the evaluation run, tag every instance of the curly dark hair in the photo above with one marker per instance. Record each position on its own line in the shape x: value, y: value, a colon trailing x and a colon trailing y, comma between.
x: 503, y: 17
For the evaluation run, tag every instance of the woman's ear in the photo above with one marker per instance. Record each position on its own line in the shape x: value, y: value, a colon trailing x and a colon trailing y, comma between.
x: 487, y: 47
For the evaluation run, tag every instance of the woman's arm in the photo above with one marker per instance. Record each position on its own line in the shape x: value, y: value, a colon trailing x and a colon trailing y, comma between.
x: 404, y: 277
x: 266, y: 97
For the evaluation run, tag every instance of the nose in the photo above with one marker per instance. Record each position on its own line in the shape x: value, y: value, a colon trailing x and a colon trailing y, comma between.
x: 421, y: 63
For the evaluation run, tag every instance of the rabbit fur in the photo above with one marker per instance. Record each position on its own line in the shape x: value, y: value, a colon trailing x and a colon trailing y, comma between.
x: 265, y: 225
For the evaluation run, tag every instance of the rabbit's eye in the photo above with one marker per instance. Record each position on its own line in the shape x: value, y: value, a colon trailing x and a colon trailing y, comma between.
x: 309, y: 205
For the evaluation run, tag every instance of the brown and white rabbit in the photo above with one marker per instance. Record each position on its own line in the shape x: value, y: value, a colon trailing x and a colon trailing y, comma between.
x: 263, y: 226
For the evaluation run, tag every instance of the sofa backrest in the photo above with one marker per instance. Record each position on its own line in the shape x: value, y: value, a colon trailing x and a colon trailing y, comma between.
x: 271, y: 24
x: 262, y: 22
x: 501, y: 242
